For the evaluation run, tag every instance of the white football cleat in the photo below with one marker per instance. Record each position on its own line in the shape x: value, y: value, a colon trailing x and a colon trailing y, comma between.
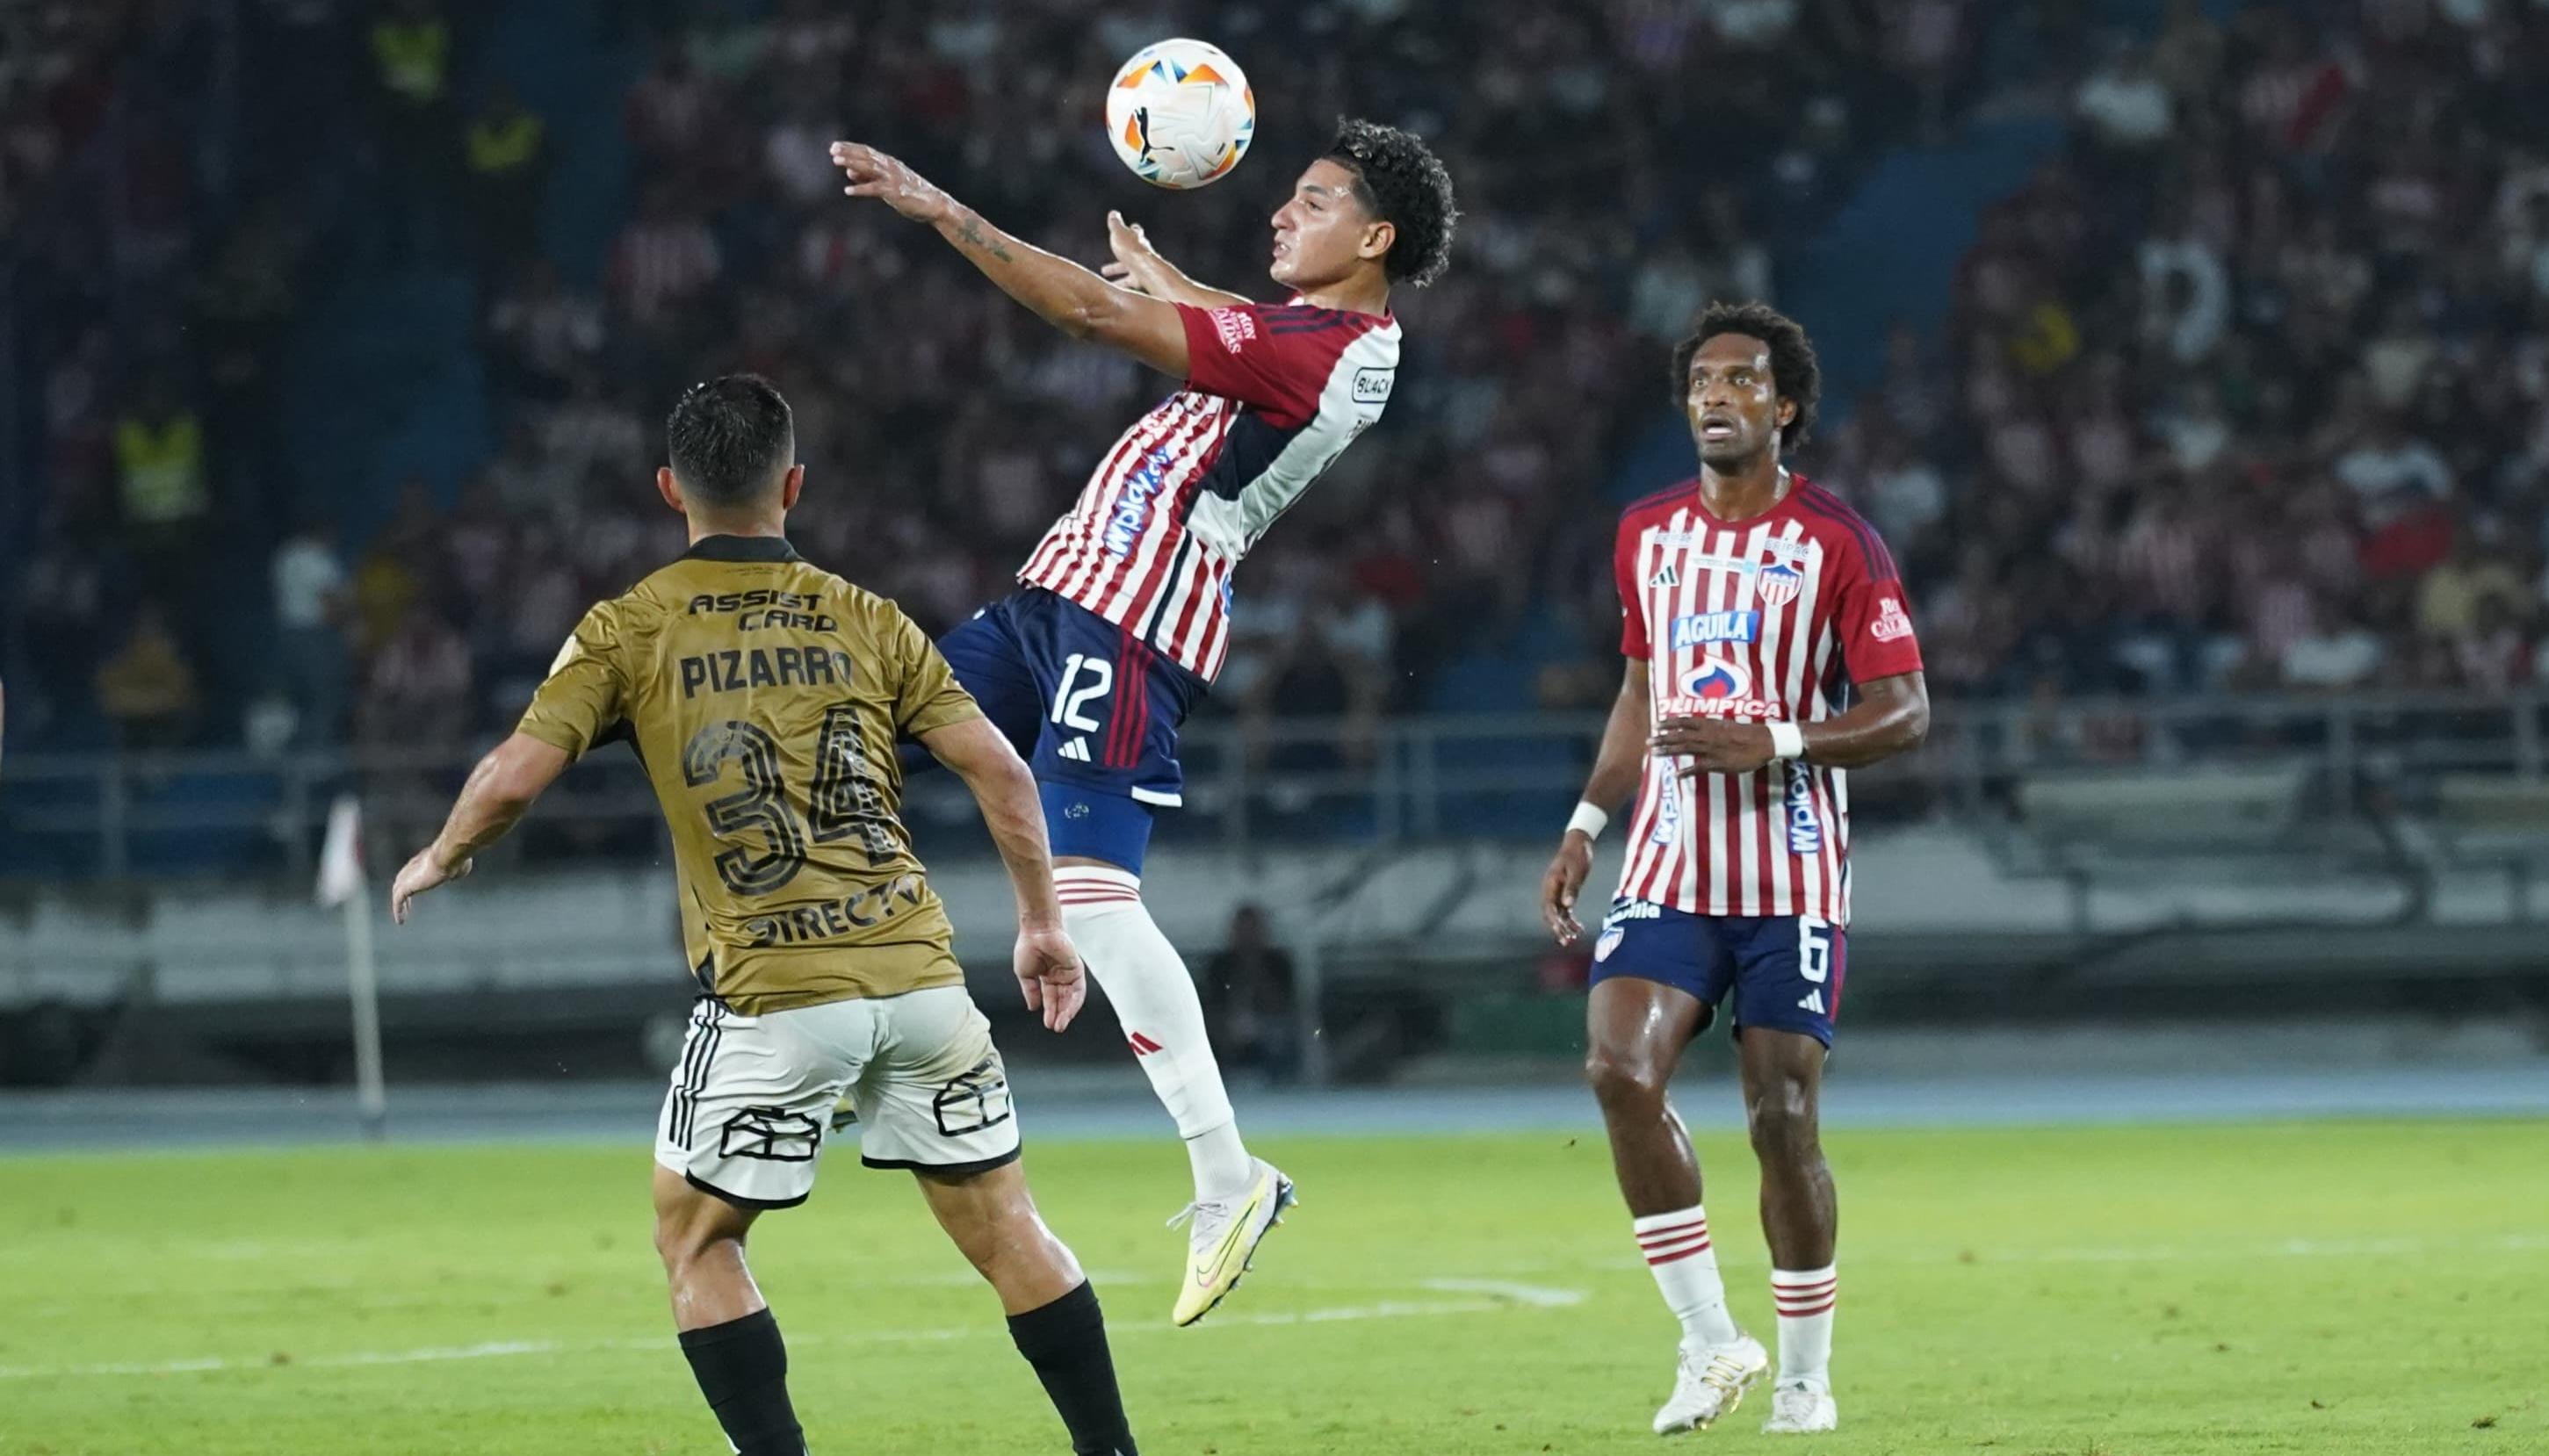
x: 1224, y: 1238
x: 1711, y: 1383
x: 1796, y: 1409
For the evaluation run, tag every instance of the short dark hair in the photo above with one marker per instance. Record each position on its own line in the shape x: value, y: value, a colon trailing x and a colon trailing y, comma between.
x: 1407, y: 186
x: 731, y: 438
x: 1793, y: 370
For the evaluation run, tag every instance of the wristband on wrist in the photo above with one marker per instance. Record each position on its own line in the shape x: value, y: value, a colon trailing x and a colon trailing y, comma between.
x: 1588, y: 818
x: 1788, y: 741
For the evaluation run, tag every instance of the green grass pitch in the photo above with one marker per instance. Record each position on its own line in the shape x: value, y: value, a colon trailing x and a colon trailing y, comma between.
x: 2331, y: 1287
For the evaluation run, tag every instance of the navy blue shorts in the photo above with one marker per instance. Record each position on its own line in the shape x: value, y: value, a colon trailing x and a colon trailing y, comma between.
x: 1785, y: 971
x: 1093, y: 709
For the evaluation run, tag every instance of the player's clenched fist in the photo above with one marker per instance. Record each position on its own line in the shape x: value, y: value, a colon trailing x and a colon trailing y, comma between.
x: 1713, y: 745
x: 873, y: 174
x: 1051, y: 975
x: 1563, y: 884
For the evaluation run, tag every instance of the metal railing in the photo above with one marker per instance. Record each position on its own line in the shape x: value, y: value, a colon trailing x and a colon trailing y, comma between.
x: 1287, y: 782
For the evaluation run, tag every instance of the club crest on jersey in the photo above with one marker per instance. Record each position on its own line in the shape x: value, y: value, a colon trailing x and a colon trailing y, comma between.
x: 1133, y: 508
x: 1717, y: 677
x: 1778, y: 584
x: 1700, y: 628
x: 1891, y: 624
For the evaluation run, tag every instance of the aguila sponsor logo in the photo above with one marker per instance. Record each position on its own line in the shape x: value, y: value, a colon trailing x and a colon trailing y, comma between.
x: 1700, y: 628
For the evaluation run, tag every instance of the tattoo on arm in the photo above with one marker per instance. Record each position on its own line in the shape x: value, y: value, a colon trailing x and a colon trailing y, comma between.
x: 971, y: 232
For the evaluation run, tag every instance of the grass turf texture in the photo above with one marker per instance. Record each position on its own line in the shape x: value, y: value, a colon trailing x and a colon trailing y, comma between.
x: 2363, y: 1287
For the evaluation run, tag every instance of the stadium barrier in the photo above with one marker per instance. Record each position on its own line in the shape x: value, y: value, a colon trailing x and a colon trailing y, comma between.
x: 2081, y: 787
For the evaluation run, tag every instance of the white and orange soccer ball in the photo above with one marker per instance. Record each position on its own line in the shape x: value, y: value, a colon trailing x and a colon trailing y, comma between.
x: 1180, y: 114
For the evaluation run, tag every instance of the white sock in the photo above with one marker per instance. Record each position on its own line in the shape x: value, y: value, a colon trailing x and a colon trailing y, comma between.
x: 1685, y: 1264
x: 1155, y: 1000
x: 1804, y: 1298
x: 1220, y: 1161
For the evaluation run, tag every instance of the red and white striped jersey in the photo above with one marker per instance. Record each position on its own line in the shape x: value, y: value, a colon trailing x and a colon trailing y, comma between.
x: 1275, y: 393
x: 1758, y: 620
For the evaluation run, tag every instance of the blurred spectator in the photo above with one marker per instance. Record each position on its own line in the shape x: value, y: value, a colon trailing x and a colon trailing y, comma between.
x: 664, y: 259
x: 505, y: 149
x: 1249, y: 998
x: 160, y: 476
x: 311, y: 606
x: 2389, y: 470
x: 411, y: 46
x: 146, y: 689
x: 2125, y: 102
x: 2456, y: 593
x: 2338, y: 651
x: 419, y: 690
x: 57, y: 600
x: 543, y: 334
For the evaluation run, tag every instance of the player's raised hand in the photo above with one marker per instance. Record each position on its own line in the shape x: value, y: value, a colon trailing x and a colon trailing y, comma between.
x: 1051, y: 975
x: 1137, y: 264
x: 1713, y: 745
x: 422, y: 872
x: 1563, y: 884
x: 873, y: 174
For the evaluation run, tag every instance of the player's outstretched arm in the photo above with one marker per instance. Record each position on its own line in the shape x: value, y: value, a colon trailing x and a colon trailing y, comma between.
x: 1139, y: 266
x: 1616, y: 767
x: 500, y: 791
x: 1050, y: 973
x: 1891, y: 717
x: 1062, y: 293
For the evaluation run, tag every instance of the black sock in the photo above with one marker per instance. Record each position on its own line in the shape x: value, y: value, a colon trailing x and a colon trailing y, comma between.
x: 743, y: 1368
x: 1066, y: 1342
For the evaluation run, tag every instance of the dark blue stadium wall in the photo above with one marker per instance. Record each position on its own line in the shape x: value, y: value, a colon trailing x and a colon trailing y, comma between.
x: 384, y: 383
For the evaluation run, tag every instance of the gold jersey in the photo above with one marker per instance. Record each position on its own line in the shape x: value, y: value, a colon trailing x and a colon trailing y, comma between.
x: 764, y: 697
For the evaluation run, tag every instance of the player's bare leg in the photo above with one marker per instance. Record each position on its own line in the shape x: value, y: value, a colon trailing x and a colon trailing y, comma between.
x: 1782, y: 1090
x: 993, y: 1222
x: 1238, y: 1198
x: 727, y: 1332
x: 1053, y: 1312
x: 1635, y: 1032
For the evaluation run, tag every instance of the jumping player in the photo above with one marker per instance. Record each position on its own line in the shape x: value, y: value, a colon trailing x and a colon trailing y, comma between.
x: 764, y: 697
x: 1755, y: 606
x: 1122, y: 614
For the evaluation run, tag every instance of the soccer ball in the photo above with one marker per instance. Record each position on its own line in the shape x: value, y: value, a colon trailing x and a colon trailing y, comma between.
x: 1180, y: 114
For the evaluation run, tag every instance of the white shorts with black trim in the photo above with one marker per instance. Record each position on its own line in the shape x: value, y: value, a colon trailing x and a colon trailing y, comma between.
x: 752, y: 1095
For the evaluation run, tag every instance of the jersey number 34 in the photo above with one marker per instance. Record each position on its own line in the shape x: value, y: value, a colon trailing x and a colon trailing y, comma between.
x: 844, y: 801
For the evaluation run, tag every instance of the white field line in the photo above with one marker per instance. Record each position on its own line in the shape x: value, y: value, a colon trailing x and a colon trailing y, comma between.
x: 1496, y: 1295
x: 1503, y: 1296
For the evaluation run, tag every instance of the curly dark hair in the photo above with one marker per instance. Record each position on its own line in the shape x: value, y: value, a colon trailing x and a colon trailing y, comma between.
x: 1793, y: 370
x: 1407, y: 186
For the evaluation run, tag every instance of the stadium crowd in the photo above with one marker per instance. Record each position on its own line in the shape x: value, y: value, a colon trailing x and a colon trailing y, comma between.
x: 2247, y: 388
